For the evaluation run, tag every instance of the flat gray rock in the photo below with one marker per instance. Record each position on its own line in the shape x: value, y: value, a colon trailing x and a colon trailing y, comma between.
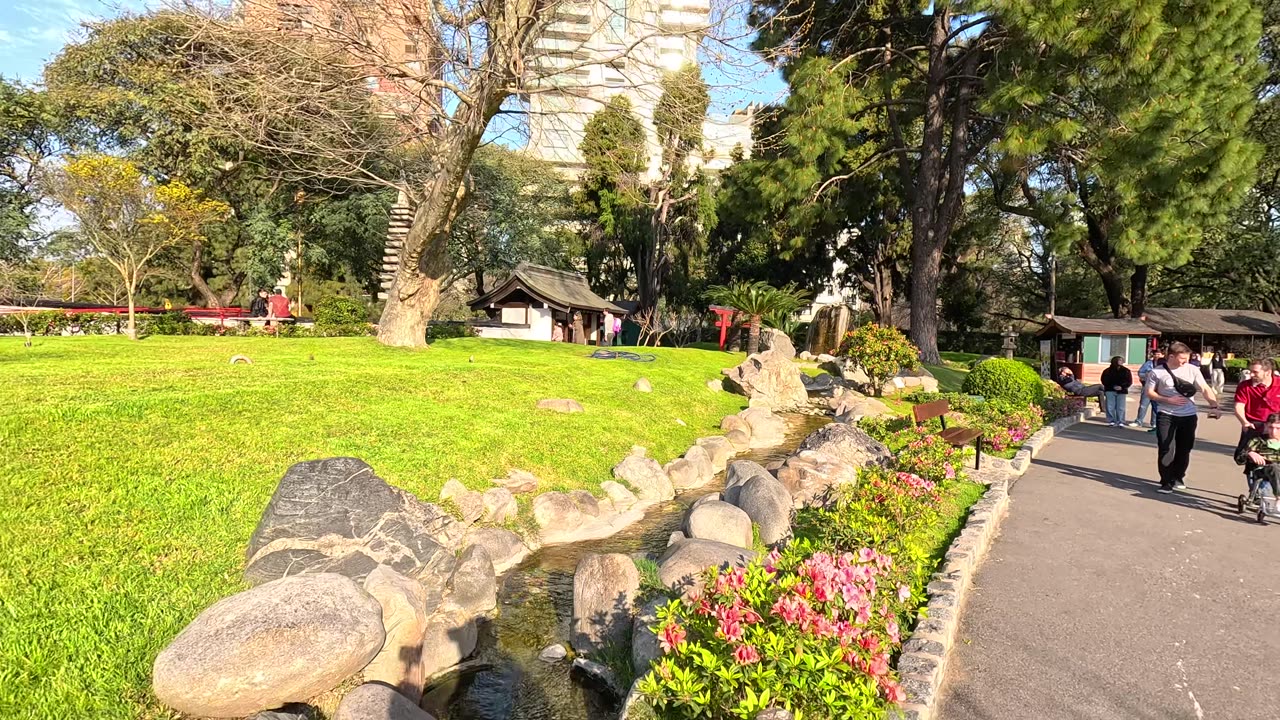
x: 283, y: 641
x: 337, y: 516
x: 557, y: 511
x: 560, y: 405
x: 373, y: 701
x: 721, y: 522
x: 681, y: 566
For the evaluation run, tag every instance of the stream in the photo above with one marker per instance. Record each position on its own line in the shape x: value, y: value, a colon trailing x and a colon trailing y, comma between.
x: 505, y: 680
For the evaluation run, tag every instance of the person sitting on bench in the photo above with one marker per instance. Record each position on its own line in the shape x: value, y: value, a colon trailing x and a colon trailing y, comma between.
x: 1068, y: 381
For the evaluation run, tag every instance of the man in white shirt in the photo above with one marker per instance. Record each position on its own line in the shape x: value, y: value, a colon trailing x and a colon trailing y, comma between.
x: 1173, y: 386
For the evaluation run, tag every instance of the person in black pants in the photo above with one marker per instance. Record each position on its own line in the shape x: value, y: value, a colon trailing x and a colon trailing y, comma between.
x: 1174, y: 385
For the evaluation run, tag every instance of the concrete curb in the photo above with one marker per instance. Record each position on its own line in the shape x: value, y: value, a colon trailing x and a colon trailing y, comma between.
x: 923, y: 662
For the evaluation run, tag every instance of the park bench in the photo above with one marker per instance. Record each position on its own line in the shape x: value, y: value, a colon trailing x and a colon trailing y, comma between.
x: 955, y: 436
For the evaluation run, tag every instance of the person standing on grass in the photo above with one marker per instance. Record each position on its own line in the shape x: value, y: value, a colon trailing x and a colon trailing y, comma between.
x: 1174, y: 385
x: 1256, y: 398
x: 1116, y: 380
x: 1144, y: 402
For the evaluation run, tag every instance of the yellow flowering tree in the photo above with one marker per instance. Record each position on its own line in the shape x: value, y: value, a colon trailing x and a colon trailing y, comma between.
x: 130, y: 219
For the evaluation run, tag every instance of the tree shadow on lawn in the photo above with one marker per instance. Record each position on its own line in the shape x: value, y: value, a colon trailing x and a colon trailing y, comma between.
x: 1146, y: 489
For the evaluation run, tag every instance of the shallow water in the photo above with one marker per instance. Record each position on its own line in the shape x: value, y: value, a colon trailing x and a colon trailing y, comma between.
x: 505, y: 680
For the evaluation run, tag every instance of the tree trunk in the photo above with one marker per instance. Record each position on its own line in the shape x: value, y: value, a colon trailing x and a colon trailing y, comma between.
x: 130, y: 328
x: 1138, y: 291
x: 211, y: 300
x: 1096, y: 252
x: 424, y: 257
x: 753, y: 335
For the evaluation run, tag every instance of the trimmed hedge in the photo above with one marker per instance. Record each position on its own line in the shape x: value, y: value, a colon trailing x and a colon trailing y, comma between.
x: 1000, y: 379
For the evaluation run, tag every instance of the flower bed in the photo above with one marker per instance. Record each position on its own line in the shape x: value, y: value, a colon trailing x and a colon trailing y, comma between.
x: 1004, y: 425
x: 813, y: 628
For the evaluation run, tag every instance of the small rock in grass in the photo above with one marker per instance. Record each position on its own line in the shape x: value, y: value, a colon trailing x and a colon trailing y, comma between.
x: 518, y: 481
x: 643, y: 385
x: 560, y: 405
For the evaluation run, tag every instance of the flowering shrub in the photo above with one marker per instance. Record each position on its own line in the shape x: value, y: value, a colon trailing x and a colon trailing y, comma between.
x: 812, y: 633
x: 880, y: 351
x: 1057, y: 408
x: 917, y: 450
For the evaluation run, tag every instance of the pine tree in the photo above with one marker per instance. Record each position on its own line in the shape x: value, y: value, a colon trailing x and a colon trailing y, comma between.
x: 1126, y: 133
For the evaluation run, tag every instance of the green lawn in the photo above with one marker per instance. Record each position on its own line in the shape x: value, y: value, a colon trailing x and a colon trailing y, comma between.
x: 132, y: 474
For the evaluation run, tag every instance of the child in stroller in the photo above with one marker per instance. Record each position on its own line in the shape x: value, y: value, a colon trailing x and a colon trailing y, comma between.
x: 1260, y: 454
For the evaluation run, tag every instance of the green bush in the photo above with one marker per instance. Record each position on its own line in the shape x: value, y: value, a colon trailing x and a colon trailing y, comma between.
x: 173, y: 322
x: 340, y: 310
x: 341, y: 330
x: 880, y: 351
x: 1000, y: 379
x: 446, y: 331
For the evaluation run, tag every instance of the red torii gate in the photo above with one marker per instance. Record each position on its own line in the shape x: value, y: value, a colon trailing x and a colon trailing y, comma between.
x: 724, y: 320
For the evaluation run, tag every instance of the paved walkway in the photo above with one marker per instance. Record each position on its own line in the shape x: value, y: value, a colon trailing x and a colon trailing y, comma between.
x: 1102, y: 599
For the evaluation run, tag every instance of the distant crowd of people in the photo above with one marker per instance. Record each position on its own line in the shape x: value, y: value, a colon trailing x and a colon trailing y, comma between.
x: 1170, y: 380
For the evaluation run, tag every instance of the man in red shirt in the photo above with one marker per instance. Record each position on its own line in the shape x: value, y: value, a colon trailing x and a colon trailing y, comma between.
x: 278, y: 306
x: 1257, y: 397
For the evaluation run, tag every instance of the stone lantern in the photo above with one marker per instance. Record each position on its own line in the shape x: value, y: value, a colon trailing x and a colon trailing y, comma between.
x: 1010, y: 344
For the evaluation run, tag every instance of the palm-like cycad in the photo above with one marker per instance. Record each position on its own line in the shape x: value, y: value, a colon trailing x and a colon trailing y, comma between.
x: 755, y: 300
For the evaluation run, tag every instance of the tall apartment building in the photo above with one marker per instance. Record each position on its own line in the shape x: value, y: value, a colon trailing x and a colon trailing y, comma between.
x: 602, y: 48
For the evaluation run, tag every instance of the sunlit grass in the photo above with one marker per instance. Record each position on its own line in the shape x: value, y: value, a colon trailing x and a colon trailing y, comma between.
x: 132, y: 474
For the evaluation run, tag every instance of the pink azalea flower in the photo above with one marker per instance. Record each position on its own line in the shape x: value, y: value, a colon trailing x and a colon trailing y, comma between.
x: 893, y: 692
x: 746, y: 655
x: 671, y: 637
x: 904, y: 593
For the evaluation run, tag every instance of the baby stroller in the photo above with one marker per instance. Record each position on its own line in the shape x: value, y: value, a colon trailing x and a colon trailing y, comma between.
x: 1259, y: 497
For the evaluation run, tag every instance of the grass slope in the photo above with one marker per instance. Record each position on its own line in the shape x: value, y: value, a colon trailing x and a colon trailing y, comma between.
x: 132, y: 474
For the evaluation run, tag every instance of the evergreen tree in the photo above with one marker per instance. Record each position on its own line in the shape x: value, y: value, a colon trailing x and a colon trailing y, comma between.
x: 1126, y: 131
x: 610, y: 195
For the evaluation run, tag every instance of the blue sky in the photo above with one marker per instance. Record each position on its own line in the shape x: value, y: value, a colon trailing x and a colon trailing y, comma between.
x: 33, y: 31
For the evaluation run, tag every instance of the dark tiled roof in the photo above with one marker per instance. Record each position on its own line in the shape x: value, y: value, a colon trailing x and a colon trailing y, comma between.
x: 1096, y: 326
x: 1202, y: 321
x: 559, y: 289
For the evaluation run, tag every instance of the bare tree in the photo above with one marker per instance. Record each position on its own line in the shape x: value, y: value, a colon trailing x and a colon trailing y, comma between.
x: 24, y: 286
x: 440, y: 71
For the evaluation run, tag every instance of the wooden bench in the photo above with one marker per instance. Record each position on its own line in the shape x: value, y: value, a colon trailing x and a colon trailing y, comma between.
x: 956, y: 436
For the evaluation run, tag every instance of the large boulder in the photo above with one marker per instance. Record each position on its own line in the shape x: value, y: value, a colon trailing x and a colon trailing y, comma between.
x: 560, y: 405
x: 645, y: 477
x: 719, y: 450
x: 644, y: 641
x: 680, y: 567
x: 374, y: 701
x: 730, y: 423
x: 768, y: 504
x: 809, y: 477
x: 770, y: 379
x: 847, y: 444
x: 337, y: 516
x: 767, y: 429
x: 776, y: 341
x: 556, y: 511
x: 604, y: 593
x: 721, y: 522
x: 449, y: 638
x: 589, y: 504
x: 283, y: 641
x: 472, y: 590
x: 740, y: 439
x: 821, y: 383
x: 851, y: 406
x: 499, y: 505
x: 404, y: 618
x: 504, y: 547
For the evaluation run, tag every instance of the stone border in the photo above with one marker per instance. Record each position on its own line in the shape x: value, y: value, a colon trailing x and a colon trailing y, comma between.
x: 923, y: 662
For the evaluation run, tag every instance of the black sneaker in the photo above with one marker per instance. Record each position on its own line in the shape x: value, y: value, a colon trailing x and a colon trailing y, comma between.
x: 1164, y: 490
x: 1180, y: 485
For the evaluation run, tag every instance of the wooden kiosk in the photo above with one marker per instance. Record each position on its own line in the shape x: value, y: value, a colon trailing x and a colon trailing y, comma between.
x: 1086, y: 345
